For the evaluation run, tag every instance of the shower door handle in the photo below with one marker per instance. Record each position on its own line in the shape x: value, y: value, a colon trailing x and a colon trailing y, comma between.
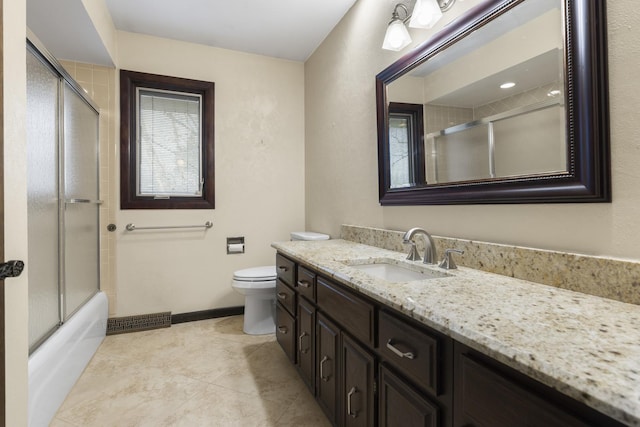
x: 87, y: 201
x: 11, y: 269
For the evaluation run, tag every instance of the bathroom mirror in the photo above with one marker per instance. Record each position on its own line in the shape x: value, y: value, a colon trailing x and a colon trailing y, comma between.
x: 506, y: 104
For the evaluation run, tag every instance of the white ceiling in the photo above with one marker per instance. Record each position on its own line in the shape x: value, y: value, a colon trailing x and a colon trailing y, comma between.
x: 288, y: 29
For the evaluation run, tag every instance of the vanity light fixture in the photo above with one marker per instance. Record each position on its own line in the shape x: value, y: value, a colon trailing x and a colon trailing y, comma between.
x: 397, y: 36
x: 425, y: 15
x: 507, y: 85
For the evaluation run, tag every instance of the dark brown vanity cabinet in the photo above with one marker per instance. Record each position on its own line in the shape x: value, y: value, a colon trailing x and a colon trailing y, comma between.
x: 369, y: 365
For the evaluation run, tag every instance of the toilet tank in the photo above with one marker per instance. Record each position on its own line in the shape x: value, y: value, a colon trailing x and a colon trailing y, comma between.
x: 308, y: 235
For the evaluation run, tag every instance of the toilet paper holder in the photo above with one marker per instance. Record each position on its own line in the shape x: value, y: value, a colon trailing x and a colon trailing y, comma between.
x: 235, y: 245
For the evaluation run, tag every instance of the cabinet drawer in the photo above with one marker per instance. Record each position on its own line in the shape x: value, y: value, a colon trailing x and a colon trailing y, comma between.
x: 286, y: 296
x: 411, y: 351
x: 353, y: 313
x: 285, y: 269
x: 306, y: 283
x: 286, y: 332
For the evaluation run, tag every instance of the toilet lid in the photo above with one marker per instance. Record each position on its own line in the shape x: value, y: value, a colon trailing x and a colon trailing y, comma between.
x: 256, y: 274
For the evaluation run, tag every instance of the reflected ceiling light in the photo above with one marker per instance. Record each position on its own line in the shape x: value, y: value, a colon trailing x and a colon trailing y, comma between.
x: 553, y: 93
x: 425, y: 15
x: 397, y: 36
x: 507, y: 85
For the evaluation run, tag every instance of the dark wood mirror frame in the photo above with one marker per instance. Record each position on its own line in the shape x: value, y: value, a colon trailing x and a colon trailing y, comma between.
x: 587, y: 110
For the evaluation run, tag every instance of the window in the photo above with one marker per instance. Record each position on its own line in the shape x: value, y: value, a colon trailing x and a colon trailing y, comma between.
x: 167, y: 142
x: 406, y: 148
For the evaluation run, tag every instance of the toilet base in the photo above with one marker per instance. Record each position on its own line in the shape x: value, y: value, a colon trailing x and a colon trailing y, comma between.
x: 259, y: 315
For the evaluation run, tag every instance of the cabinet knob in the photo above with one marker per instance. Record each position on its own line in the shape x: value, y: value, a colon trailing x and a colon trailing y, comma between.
x: 303, y: 283
x: 282, y: 329
x: 282, y: 268
x: 282, y: 296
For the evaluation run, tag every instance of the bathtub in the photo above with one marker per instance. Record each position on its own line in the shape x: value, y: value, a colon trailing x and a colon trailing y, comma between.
x: 57, y: 364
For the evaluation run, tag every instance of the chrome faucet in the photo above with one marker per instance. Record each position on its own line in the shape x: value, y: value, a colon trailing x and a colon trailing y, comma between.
x: 430, y: 255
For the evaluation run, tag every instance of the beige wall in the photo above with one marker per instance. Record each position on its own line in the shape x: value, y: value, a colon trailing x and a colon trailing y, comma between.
x: 341, y: 148
x: 259, y: 149
x: 14, y: 85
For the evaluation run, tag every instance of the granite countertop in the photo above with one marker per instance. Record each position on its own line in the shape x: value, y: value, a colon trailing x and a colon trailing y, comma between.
x: 585, y: 346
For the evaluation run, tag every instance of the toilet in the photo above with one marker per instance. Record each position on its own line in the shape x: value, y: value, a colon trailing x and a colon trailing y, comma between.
x: 258, y: 285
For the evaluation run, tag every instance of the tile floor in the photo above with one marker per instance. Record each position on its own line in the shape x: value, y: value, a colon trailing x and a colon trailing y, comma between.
x: 205, y: 373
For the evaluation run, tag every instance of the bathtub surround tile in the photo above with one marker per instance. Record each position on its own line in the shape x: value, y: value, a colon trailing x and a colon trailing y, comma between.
x: 599, y: 276
x: 205, y: 373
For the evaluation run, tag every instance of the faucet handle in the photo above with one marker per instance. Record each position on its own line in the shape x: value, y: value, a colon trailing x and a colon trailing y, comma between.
x: 413, y: 251
x: 447, y: 262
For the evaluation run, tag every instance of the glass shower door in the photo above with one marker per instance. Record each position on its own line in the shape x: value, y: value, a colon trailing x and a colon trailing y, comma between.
x: 81, y: 207
x: 42, y: 199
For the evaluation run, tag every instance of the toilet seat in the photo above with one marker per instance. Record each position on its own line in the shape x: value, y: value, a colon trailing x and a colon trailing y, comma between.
x: 256, y: 274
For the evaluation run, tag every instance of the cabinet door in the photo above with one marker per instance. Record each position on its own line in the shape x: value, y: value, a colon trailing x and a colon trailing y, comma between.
x: 357, y: 385
x: 286, y: 332
x: 400, y: 405
x: 485, y: 397
x: 306, y: 342
x: 327, y: 366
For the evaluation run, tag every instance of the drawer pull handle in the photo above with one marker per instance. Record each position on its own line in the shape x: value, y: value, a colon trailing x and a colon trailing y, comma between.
x: 322, y: 376
x: 349, y: 396
x: 282, y: 329
x: 282, y: 296
x: 304, y: 283
x: 283, y: 268
x: 407, y: 355
x: 302, y: 350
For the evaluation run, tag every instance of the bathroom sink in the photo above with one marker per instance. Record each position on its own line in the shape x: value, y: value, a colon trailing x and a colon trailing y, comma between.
x: 394, y: 272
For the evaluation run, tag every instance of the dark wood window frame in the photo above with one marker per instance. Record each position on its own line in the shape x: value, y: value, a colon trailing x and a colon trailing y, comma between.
x: 129, y: 82
x: 416, y: 138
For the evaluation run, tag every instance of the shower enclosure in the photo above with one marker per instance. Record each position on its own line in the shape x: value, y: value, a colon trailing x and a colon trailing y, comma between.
x: 63, y: 228
x: 63, y: 205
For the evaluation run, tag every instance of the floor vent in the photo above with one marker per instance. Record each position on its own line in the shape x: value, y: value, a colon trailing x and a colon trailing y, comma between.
x: 140, y: 322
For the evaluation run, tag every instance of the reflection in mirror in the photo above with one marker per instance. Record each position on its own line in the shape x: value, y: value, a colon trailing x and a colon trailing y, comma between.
x: 406, y: 133
x: 494, y: 101
x: 514, y: 101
